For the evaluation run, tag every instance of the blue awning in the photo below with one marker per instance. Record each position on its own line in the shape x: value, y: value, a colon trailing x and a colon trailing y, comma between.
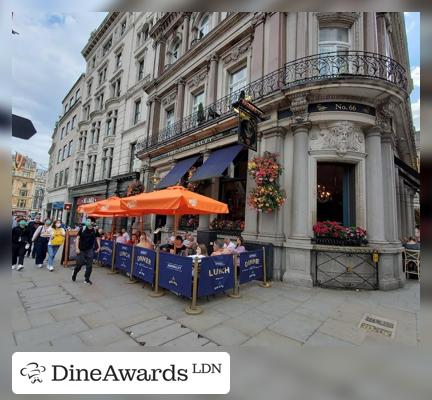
x: 177, y: 172
x: 217, y: 163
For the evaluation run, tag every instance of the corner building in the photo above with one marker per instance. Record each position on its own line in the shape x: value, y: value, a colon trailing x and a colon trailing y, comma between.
x: 335, y: 91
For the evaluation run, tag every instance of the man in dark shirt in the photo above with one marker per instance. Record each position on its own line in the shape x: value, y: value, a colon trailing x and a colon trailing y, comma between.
x: 178, y: 247
x: 20, y: 243
x: 84, y: 245
x: 32, y: 226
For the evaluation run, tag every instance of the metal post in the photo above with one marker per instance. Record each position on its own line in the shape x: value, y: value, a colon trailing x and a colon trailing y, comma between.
x: 265, y: 284
x: 113, y: 271
x: 156, y: 292
x: 193, y: 309
x: 131, y: 278
x: 235, y: 294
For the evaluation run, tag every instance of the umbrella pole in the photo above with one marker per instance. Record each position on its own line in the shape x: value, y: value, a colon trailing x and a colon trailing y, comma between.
x: 176, y: 221
x: 142, y: 224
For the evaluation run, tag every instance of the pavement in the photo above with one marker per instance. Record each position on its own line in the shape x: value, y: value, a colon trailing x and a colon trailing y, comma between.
x: 50, y: 311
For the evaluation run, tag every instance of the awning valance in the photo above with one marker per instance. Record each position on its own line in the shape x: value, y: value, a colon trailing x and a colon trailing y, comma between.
x: 217, y: 163
x: 411, y: 176
x: 173, y: 177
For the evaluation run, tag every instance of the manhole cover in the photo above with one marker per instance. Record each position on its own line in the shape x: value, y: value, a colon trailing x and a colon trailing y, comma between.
x: 380, y: 325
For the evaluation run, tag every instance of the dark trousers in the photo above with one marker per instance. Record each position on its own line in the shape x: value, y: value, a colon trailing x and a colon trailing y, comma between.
x: 40, y: 248
x: 31, y: 250
x: 18, y: 252
x: 85, y: 257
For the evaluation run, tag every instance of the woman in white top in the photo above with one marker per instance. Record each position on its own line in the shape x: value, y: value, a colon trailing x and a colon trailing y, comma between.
x: 40, y: 239
x: 57, y: 238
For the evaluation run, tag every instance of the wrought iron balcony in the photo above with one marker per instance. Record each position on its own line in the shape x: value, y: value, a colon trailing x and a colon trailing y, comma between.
x: 319, y: 67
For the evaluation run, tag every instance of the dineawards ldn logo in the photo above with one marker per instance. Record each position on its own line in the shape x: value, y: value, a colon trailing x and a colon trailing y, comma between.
x: 121, y: 373
x: 33, y: 371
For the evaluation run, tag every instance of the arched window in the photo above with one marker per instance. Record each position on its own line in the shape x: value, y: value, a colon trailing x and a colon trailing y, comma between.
x: 203, y: 27
x: 175, y: 50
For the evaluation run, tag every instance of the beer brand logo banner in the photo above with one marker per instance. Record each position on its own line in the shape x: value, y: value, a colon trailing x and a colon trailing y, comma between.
x: 123, y: 257
x: 216, y: 275
x: 251, y: 266
x: 106, y: 252
x: 175, y: 274
x: 144, y: 264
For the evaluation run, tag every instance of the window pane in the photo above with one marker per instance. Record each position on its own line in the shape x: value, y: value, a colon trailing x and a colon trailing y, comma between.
x: 334, y: 35
x: 237, y: 80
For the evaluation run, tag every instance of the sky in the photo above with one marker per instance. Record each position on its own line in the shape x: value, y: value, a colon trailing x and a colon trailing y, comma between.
x: 47, y: 61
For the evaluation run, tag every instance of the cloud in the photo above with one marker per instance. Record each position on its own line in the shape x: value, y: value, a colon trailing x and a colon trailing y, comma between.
x: 415, y: 108
x: 415, y: 75
x: 46, y: 62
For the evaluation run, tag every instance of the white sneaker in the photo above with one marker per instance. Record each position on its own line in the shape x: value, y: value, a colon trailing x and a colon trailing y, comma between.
x: 51, y: 268
x: 14, y: 266
x: 20, y: 267
x: 39, y: 265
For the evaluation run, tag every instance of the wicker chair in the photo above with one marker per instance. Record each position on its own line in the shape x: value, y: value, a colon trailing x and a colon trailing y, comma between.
x: 412, y: 262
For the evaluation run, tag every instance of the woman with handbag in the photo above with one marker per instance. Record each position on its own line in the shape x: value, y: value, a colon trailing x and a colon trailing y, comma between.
x: 57, y: 238
x: 40, y: 239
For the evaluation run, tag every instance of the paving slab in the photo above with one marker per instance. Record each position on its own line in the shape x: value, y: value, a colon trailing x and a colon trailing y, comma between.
x: 103, y: 335
x: 68, y: 343
x: 225, y: 335
x: 345, y: 331
x: 270, y: 338
x: 200, y: 323
x: 296, y: 326
x: 149, y: 326
x: 40, y: 318
x: 191, y: 339
x: 251, y: 322
x: 162, y: 336
x: 321, y: 339
x: 278, y: 307
x: 74, y: 309
x: 50, y: 331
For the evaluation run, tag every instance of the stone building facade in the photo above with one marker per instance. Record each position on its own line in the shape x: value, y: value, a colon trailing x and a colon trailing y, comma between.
x: 334, y: 88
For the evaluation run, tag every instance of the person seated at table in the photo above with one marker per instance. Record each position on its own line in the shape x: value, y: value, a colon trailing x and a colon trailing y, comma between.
x: 240, y: 246
x: 218, y: 248
x: 229, y: 245
x: 178, y: 247
x: 186, y: 241
x: 201, y: 251
x: 145, y: 242
x: 125, y: 234
x: 120, y: 238
x: 412, y: 244
x: 171, y: 239
x: 133, y: 240
x: 149, y: 238
x: 193, y: 245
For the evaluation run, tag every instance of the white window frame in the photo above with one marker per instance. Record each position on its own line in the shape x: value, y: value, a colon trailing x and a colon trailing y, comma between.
x: 203, y: 29
x: 195, y: 103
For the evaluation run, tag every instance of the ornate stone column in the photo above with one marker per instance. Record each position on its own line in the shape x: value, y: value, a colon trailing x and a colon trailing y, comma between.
x: 159, y: 57
x: 298, y: 252
x: 180, y: 99
x: 185, y: 41
x: 370, y: 32
x: 257, y: 66
x: 381, y: 28
x: 398, y: 204
x: 155, y: 119
x: 374, y: 186
x: 410, y: 211
x: 402, y: 201
x: 275, y: 52
x: 211, y: 91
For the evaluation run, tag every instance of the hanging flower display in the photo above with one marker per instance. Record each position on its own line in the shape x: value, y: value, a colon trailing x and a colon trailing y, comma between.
x: 267, y: 196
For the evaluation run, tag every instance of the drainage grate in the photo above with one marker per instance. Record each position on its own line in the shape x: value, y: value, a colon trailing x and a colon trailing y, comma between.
x: 380, y: 325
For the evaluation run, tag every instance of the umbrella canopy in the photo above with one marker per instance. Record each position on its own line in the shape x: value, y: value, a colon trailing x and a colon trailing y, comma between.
x: 175, y: 200
x: 104, y: 208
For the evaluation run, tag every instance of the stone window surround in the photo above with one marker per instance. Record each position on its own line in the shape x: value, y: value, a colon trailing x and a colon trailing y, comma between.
x: 192, y: 93
x: 231, y: 68
x: 351, y: 20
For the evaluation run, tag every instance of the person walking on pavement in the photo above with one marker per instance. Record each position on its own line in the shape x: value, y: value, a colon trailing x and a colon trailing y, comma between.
x: 57, y: 238
x: 40, y: 240
x: 85, y: 243
x: 20, y: 243
x: 33, y: 226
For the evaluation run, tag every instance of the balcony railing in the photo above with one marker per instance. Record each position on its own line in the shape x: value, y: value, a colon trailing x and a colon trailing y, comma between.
x: 319, y: 67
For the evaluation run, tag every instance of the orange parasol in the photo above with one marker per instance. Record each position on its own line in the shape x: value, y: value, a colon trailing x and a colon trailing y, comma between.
x: 175, y: 200
x: 104, y: 208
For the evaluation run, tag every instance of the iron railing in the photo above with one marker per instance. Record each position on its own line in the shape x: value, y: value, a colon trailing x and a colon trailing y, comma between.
x: 319, y: 67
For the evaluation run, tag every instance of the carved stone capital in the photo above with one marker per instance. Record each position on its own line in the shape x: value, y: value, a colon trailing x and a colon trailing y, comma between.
x: 299, y: 108
x: 258, y: 18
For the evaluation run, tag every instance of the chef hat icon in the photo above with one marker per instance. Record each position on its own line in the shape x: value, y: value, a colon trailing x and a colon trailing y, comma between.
x: 32, y: 371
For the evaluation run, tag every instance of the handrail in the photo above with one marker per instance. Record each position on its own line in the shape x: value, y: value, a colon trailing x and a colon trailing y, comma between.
x: 318, y: 67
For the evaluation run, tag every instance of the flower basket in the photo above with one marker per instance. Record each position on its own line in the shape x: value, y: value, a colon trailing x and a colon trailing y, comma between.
x: 331, y: 233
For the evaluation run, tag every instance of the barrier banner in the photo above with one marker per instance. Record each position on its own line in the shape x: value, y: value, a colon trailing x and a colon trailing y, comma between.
x: 95, y: 254
x: 216, y: 275
x: 144, y: 264
x: 175, y: 274
x: 123, y: 257
x: 251, y: 266
x: 106, y: 252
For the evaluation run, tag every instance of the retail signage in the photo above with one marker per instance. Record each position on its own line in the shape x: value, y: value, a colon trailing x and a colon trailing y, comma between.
x: 251, y: 266
x: 106, y: 252
x: 89, y: 199
x: 216, y: 275
x: 248, y: 116
x: 196, y: 144
x: 123, y: 257
x: 67, y: 206
x: 144, y: 264
x: 58, y: 205
x: 341, y: 106
x: 175, y: 274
